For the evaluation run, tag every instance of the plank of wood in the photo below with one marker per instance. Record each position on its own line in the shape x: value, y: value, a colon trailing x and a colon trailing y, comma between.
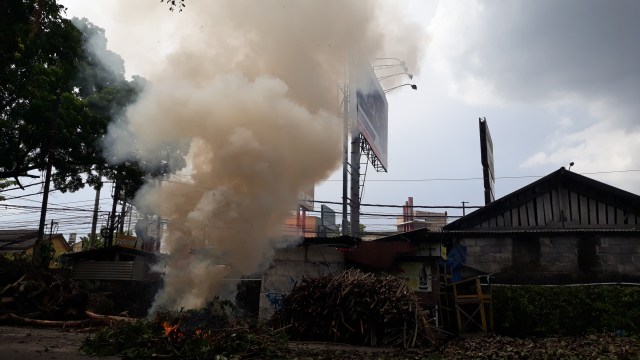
x: 540, y: 211
x: 619, y: 217
x: 565, y: 205
x: 500, y: 220
x: 611, y: 215
x: 575, y: 209
x: 507, y: 218
x: 584, y: 210
x: 531, y: 214
x: 602, y: 213
x: 555, y: 205
x: 548, y: 213
x: 593, y: 212
x: 522, y: 210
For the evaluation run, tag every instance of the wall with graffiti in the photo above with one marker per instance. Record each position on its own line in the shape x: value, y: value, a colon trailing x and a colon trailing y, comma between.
x: 291, y: 266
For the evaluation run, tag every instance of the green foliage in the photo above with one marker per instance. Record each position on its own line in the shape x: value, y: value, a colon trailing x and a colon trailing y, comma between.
x: 38, y: 58
x: 5, y: 184
x: 565, y: 310
x: 89, y: 242
x: 192, y: 334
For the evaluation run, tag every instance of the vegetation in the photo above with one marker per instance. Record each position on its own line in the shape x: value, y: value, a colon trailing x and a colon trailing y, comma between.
x: 194, y: 334
x: 566, y: 310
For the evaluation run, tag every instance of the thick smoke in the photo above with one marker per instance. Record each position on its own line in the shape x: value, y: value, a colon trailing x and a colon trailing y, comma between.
x: 252, y: 88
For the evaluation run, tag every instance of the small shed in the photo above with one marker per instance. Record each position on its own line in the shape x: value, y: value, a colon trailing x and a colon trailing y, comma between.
x: 113, y: 263
x: 562, y: 228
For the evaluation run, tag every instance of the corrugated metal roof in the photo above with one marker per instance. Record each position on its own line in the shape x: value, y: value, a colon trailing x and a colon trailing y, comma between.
x: 499, y: 231
x: 21, y: 239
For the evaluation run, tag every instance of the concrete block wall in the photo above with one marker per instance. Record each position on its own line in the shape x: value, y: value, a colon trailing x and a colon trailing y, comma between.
x: 292, y: 265
x: 559, y: 258
x: 488, y: 255
x: 619, y: 255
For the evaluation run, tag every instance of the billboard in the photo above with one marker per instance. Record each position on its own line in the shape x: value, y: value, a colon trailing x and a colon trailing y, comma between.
x: 372, y: 111
x: 486, y: 158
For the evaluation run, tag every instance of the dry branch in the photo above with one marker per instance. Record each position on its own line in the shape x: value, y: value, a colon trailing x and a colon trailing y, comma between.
x: 356, y: 308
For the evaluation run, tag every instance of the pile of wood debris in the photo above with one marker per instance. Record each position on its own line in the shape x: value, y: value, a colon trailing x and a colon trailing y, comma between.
x: 35, y: 296
x: 355, y: 308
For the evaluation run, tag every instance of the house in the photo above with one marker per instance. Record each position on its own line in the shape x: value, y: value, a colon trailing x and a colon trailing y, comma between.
x: 113, y: 263
x: 23, y: 241
x: 562, y: 228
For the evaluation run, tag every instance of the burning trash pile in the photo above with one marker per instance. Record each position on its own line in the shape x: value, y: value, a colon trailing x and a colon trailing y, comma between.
x: 356, y: 308
x: 199, y: 334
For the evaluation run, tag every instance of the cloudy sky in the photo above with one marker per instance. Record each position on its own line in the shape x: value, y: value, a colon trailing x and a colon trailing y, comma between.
x: 558, y: 82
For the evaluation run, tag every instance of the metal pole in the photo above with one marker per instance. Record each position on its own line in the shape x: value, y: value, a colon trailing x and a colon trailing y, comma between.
x: 355, y: 155
x: 463, y: 208
x: 345, y: 153
x: 355, y: 183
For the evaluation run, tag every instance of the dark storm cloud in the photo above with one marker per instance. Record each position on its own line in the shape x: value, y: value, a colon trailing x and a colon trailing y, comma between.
x: 544, y: 50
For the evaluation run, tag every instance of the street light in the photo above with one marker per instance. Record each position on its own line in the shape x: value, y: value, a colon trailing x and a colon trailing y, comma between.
x: 400, y: 73
x: 388, y: 66
x: 413, y: 86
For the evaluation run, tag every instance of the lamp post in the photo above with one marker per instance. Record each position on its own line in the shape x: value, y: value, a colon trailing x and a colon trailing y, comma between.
x: 352, y: 138
x: 413, y: 86
x: 396, y: 74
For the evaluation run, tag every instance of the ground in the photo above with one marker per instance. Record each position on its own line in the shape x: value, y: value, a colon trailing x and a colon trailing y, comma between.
x: 26, y: 343
x: 42, y: 343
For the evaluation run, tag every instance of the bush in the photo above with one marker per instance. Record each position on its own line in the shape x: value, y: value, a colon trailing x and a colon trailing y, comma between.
x: 565, y: 310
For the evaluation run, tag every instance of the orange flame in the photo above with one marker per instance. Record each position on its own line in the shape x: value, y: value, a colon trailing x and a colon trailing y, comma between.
x: 169, y: 329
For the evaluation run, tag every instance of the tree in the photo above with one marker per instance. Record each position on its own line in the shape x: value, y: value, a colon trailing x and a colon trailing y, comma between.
x: 89, y: 242
x: 39, y: 111
x: 3, y: 185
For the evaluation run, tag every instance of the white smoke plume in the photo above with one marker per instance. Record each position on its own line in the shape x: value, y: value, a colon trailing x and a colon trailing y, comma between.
x: 252, y: 87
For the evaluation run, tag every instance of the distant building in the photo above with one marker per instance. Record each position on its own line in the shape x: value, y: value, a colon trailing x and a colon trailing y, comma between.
x: 14, y: 242
x: 412, y: 219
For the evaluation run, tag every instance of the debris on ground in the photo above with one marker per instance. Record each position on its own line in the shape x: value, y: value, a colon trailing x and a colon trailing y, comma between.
x: 27, y: 291
x: 600, y: 346
x: 197, y: 334
x: 355, y: 308
x: 31, y: 295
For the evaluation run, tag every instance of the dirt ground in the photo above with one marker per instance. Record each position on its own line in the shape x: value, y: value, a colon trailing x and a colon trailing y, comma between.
x: 25, y: 343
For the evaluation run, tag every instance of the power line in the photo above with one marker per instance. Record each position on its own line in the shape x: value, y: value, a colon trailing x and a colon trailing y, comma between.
x: 498, y: 177
x: 402, y: 206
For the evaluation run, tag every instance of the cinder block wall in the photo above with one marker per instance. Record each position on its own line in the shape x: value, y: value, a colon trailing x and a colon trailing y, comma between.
x: 619, y: 255
x: 583, y: 257
x: 292, y: 265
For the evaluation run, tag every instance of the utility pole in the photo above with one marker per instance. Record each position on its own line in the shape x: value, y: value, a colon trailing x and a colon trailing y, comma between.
x: 37, y: 248
x: 346, y: 89
x: 463, y: 208
x: 355, y: 182
x: 156, y: 245
x: 130, y: 215
x: 96, y: 206
x: 123, y: 213
x: 112, y: 220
